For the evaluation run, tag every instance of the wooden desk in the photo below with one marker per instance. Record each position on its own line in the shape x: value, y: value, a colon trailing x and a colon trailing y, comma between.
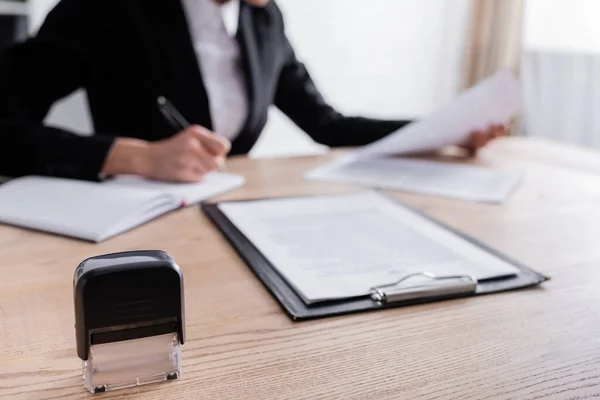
x: 530, y: 344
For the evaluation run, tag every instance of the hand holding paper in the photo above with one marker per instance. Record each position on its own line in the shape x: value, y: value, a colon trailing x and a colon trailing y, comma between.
x: 480, y: 139
x: 492, y: 102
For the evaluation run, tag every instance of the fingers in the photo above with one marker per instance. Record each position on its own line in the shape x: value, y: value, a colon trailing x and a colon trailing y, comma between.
x: 190, y: 176
x: 478, y: 140
x: 201, y: 156
x: 214, y: 144
x: 498, y: 131
x: 201, y: 152
x: 193, y: 169
x: 206, y: 160
x: 193, y: 162
x: 186, y: 157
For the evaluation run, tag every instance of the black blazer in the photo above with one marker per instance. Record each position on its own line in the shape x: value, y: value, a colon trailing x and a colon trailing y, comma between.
x: 126, y: 53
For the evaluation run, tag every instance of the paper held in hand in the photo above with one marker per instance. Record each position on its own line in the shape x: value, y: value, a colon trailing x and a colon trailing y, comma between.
x: 494, y: 101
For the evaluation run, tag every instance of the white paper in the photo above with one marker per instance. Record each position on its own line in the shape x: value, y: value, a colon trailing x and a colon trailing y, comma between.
x: 494, y: 101
x: 97, y: 211
x: 212, y: 185
x: 85, y: 210
x: 463, y: 182
x: 340, y: 246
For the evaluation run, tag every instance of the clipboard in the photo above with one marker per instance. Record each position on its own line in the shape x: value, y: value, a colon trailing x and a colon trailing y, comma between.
x: 387, y: 296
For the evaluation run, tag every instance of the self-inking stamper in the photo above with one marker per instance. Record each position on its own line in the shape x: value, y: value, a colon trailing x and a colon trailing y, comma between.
x: 129, y: 319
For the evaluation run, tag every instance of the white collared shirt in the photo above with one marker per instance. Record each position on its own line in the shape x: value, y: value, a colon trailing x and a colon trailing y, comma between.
x: 213, y: 28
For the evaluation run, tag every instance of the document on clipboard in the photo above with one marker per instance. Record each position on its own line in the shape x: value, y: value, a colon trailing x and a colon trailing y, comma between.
x: 365, y: 245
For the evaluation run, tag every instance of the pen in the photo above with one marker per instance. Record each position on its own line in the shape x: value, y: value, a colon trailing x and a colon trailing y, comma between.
x: 177, y: 121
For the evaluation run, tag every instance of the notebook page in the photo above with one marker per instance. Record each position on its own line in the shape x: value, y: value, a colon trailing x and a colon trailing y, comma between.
x: 340, y: 246
x: 160, y: 205
x: 212, y: 185
x: 494, y: 101
x: 85, y: 210
x: 449, y: 180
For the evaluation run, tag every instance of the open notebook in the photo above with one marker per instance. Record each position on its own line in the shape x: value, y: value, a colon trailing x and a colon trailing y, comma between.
x: 97, y: 211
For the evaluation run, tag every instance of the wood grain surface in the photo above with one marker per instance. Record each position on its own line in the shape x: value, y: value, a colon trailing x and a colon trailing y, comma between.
x: 532, y: 344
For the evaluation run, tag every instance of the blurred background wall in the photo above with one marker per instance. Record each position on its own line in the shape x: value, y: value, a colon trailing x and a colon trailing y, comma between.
x: 404, y: 58
x: 13, y: 22
x: 561, y: 70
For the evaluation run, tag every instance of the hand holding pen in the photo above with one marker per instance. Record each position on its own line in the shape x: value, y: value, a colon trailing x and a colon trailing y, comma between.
x: 186, y: 157
x: 204, y: 151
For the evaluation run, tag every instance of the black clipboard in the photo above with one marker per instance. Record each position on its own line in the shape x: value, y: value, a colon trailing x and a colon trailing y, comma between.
x: 297, y: 309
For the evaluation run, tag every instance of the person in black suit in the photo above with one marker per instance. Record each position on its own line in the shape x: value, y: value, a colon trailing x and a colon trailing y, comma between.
x: 127, y: 53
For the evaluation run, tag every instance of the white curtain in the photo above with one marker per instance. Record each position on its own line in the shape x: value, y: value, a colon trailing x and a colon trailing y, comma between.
x: 561, y: 67
x: 562, y: 93
x: 495, y: 38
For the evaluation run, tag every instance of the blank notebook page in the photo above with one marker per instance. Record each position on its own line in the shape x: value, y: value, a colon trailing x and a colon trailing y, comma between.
x: 82, y: 209
x: 212, y: 185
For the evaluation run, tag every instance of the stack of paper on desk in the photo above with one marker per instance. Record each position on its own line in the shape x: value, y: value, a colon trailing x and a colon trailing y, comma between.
x: 457, y: 181
x: 494, y: 101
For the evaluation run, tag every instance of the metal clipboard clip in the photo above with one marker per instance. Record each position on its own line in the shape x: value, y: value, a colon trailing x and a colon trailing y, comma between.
x: 437, y: 286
